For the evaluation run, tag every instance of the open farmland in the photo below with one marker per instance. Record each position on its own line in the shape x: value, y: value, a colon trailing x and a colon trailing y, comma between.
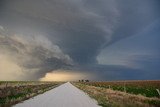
x: 145, y: 88
x: 107, y: 94
x: 12, y: 92
x: 123, y: 93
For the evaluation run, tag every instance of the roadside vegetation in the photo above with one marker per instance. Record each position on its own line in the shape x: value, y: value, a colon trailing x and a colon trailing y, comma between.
x: 145, y: 88
x: 123, y: 93
x: 13, y: 92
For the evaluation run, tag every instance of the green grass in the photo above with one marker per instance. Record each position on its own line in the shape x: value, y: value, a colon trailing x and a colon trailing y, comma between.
x: 145, y: 88
x: 148, y: 92
x: 111, y: 98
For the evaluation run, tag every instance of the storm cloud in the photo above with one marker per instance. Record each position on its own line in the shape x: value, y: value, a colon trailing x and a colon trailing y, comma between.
x: 46, y: 35
x: 30, y: 55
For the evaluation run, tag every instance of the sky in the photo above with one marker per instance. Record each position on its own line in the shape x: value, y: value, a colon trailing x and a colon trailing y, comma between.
x: 66, y: 40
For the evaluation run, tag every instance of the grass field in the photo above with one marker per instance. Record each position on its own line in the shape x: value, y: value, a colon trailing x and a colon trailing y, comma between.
x: 123, y: 93
x: 12, y: 92
x: 145, y: 88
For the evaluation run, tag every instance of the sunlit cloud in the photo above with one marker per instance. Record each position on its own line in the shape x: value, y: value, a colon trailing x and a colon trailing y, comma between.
x: 9, y: 70
x: 65, y: 75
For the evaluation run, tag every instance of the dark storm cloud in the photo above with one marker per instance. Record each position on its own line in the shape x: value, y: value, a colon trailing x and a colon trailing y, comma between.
x: 80, y: 28
x: 120, y: 72
x: 135, y: 16
x: 31, y: 54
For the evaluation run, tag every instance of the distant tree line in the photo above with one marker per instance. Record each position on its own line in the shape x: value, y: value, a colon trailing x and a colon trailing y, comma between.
x: 83, y: 80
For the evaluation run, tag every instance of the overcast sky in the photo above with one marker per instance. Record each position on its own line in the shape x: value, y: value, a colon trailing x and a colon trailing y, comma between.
x: 80, y: 39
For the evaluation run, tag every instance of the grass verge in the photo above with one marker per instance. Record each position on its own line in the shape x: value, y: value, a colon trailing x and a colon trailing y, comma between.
x: 112, y: 98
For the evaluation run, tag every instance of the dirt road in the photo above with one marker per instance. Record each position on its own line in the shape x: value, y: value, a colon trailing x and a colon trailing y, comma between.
x: 66, y: 95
